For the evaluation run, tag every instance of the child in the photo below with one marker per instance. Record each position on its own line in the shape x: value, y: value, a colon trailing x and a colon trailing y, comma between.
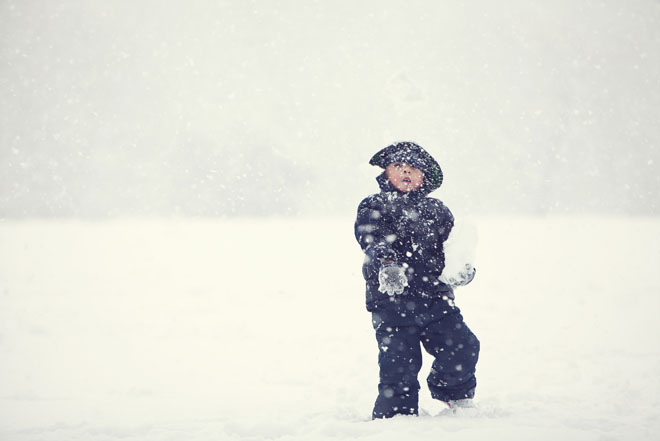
x: 402, y: 232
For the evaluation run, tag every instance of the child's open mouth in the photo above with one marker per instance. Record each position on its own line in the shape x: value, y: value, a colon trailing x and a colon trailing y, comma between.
x: 407, y: 180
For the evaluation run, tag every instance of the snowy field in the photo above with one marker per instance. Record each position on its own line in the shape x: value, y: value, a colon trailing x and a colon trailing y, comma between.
x: 256, y: 330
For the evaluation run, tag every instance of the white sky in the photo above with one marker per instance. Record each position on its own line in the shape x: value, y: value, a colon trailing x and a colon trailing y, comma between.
x: 274, y: 107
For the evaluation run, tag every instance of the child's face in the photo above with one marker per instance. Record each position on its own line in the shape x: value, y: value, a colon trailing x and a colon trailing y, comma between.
x: 404, y: 176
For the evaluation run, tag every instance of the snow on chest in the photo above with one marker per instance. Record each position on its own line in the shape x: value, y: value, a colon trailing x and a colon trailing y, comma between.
x: 416, y: 232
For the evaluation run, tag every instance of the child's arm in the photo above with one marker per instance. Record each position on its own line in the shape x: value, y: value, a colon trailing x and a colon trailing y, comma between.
x: 459, y: 248
x: 372, y: 233
x: 445, y: 219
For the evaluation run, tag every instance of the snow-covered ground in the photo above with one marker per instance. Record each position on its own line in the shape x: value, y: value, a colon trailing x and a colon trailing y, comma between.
x: 255, y: 329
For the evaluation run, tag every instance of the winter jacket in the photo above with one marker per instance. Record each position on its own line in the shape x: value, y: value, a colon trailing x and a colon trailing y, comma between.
x: 407, y: 228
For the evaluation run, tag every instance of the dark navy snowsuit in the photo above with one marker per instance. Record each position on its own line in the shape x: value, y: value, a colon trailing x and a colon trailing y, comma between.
x: 410, y: 228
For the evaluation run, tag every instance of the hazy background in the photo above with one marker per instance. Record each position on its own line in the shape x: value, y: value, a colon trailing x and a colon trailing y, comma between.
x: 206, y: 108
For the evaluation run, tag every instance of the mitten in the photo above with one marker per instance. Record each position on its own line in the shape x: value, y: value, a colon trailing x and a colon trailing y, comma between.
x: 463, y: 277
x: 392, y: 279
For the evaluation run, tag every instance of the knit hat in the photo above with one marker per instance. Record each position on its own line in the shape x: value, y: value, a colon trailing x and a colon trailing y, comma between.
x: 412, y: 154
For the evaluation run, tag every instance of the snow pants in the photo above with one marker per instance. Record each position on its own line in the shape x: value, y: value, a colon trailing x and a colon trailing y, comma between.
x: 401, y: 328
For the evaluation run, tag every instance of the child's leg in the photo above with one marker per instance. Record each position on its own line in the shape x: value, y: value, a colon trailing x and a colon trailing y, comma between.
x: 456, y: 351
x: 400, y: 359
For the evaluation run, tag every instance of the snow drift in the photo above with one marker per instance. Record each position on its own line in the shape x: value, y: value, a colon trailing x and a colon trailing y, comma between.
x: 244, y: 329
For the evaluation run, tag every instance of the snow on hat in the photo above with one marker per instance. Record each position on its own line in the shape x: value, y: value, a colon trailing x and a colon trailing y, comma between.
x: 412, y: 154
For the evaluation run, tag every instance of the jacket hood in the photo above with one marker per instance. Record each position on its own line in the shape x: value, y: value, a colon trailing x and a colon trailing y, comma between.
x: 414, y: 155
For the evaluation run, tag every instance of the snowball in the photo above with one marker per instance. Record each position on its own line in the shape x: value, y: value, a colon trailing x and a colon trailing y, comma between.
x: 459, y: 248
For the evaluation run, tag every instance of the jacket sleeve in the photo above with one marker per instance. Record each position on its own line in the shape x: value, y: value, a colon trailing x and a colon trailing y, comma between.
x: 372, y: 232
x: 446, y: 221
